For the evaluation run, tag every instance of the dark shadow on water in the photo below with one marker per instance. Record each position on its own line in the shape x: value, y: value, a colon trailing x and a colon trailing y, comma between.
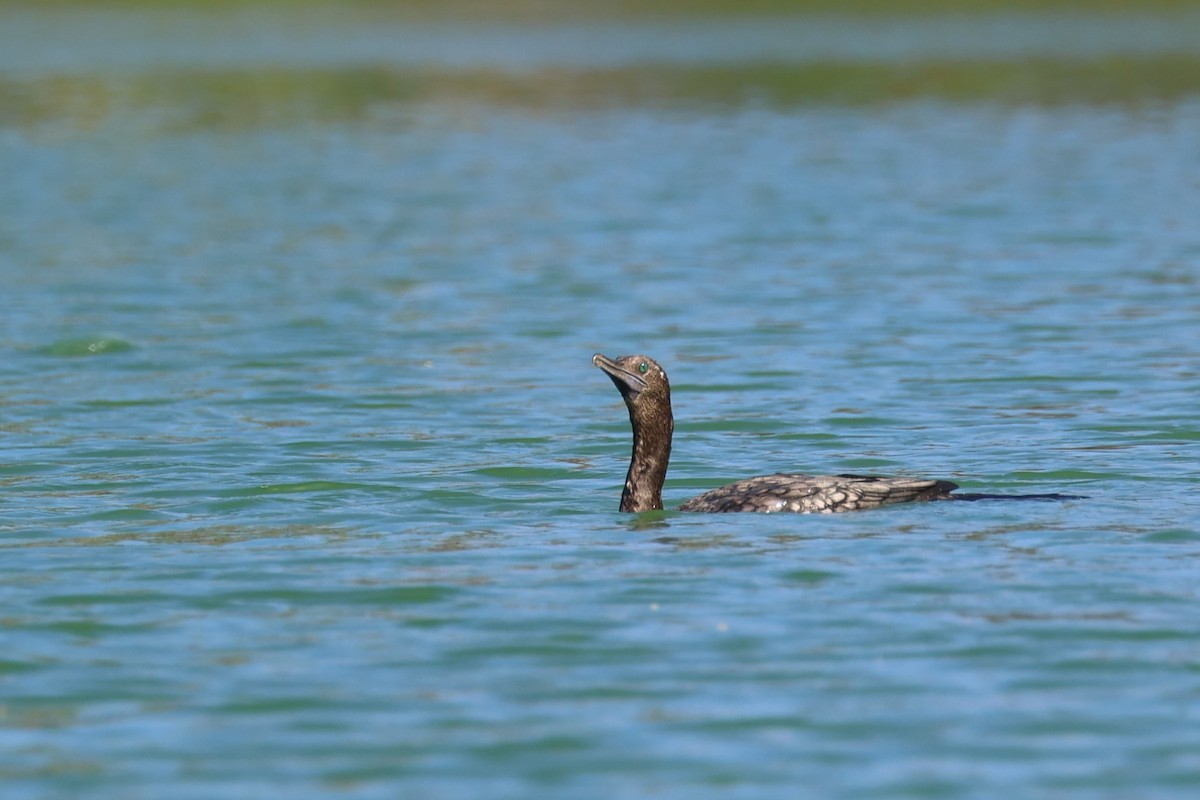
x: 649, y: 521
x: 1046, y: 498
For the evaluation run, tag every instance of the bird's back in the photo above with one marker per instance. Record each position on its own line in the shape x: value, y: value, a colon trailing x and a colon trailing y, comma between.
x: 817, y: 494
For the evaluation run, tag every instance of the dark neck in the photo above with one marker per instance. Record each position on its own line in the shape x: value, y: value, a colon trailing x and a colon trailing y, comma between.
x: 648, y: 465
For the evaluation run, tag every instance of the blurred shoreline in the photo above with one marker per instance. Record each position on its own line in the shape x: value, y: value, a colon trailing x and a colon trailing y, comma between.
x: 579, y: 10
x: 180, y: 66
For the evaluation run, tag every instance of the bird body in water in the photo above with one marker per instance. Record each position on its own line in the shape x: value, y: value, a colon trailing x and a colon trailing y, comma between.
x: 647, y: 393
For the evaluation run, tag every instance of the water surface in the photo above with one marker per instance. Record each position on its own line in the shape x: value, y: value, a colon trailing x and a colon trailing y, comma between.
x: 308, y: 487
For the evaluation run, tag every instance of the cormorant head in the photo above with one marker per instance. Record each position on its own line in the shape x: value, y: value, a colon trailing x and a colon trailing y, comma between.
x: 641, y: 381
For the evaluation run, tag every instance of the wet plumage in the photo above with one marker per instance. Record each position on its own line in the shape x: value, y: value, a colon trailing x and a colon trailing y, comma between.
x: 817, y: 494
x: 647, y: 393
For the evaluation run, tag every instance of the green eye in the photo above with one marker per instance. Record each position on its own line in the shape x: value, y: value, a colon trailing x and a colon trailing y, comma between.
x: 643, y: 367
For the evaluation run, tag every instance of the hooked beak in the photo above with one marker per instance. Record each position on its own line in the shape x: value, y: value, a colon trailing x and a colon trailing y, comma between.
x: 629, y: 383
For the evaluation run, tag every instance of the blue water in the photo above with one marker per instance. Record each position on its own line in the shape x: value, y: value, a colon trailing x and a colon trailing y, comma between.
x: 308, y: 487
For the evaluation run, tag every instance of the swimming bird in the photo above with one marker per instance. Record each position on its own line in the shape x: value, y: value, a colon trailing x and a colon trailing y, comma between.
x: 647, y: 393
